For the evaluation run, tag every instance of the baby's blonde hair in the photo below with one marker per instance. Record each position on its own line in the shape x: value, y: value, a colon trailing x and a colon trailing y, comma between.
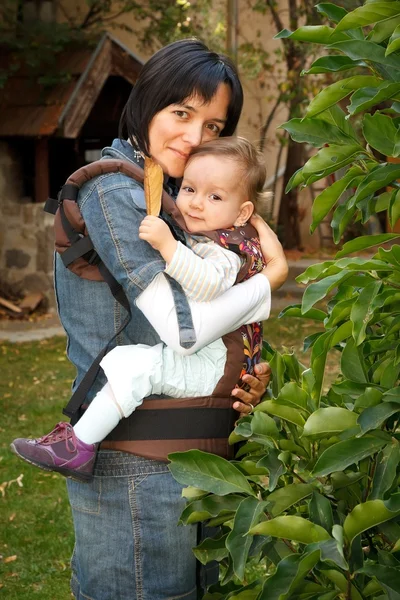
x: 249, y: 159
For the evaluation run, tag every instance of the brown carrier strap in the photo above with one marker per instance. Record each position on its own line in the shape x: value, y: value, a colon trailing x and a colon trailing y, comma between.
x: 147, y: 423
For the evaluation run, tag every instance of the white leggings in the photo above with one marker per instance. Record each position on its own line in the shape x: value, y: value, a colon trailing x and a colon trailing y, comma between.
x: 137, y: 371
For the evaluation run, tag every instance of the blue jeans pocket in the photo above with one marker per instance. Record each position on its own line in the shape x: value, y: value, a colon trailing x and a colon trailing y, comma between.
x: 85, y: 497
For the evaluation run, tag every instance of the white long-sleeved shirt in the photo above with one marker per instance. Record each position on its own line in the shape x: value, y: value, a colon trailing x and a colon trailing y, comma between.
x: 242, y: 304
x: 204, y: 269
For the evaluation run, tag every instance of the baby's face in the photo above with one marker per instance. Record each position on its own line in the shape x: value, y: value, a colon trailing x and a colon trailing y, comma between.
x: 211, y: 194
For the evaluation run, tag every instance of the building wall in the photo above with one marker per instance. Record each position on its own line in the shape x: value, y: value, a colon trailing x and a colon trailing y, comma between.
x: 26, y: 232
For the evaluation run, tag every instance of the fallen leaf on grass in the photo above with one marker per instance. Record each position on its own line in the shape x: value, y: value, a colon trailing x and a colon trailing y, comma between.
x: 22, y: 418
x: 6, y: 484
x: 10, y: 558
x: 12, y: 517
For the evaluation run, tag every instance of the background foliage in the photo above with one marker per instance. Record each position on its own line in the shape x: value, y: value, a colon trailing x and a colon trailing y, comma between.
x: 34, y: 39
x: 312, y: 497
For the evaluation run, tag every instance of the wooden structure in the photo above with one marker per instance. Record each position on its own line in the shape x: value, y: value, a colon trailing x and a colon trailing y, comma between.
x: 55, y: 130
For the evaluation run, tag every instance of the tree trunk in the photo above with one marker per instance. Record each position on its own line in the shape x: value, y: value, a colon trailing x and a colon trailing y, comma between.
x: 288, y: 219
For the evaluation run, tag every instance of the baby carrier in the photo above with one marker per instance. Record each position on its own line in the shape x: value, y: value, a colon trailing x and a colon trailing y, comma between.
x: 160, y: 425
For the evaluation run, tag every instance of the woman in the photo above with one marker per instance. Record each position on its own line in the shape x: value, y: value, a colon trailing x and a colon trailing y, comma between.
x: 127, y: 542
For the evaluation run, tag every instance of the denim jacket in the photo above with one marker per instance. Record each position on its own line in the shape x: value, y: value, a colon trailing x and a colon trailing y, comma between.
x: 113, y: 206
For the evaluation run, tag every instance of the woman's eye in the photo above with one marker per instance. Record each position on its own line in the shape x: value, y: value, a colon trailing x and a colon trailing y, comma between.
x: 214, y: 128
x: 181, y: 113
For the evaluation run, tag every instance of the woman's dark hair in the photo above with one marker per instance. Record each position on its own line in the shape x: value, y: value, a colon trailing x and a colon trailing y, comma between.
x: 173, y: 74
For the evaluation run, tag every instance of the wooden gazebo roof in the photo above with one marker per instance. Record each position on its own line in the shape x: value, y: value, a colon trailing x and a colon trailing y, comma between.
x: 29, y: 109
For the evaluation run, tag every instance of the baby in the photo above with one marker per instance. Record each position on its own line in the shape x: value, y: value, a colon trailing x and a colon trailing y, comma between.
x: 222, y: 182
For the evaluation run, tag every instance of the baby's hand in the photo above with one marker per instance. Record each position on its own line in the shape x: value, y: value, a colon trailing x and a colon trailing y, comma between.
x: 154, y: 231
x: 157, y: 233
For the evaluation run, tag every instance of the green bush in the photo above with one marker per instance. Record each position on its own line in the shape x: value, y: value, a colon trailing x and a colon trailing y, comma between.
x: 312, y: 499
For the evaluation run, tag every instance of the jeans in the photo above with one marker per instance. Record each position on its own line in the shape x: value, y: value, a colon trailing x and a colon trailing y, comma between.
x: 127, y: 542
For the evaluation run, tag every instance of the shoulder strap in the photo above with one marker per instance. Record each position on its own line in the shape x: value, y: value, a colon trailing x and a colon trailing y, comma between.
x: 82, y: 245
x: 70, y: 191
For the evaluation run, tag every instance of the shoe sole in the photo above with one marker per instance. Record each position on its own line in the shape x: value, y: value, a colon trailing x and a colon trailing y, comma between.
x: 62, y: 470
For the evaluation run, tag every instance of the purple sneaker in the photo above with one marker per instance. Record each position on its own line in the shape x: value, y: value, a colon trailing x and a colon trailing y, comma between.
x: 60, y: 450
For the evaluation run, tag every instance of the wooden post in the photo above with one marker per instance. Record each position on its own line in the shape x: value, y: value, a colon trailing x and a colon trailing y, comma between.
x: 41, y: 169
x: 232, y: 30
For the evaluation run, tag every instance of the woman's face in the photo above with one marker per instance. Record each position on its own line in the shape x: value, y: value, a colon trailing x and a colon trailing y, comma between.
x: 178, y: 128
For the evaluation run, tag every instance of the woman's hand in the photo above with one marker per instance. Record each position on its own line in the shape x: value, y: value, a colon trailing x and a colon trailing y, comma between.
x: 277, y: 268
x: 245, y: 401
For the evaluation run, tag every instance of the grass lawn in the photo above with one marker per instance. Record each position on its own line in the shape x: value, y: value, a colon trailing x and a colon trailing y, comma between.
x: 36, y: 536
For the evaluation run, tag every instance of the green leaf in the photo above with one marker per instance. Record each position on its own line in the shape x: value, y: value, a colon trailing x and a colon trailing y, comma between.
x: 388, y: 577
x: 320, y: 510
x: 317, y: 270
x: 290, y: 572
x: 293, y: 395
x: 331, y: 11
x: 375, y: 416
x: 247, y: 592
x: 326, y: 200
x: 333, y: 64
x: 367, y: 14
x: 382, y: 201
x: 294, y: 310
x: 380, y: 133
x: 385, y: 472
x: 275, y: 467
x: 336, y: 116
x: 326, y: 422
x: 193, y: 493
x: 287, y: 496
x: 363, y: 50
x: 317, y: 291
x: 295, y: 180
x: 211, y: 506
x: 380, y: 177
x: 343, y: 454
x: 238, y: 544
x: 367, y: 515
x: 392, y: 395
x: 394, y: 208
x: 330, y: 159
x: 361, y: 315
x: 319, y: 353
x: 317, y: 34
x: 208, y: 472
x: 316, y: 132
x: 330, y: 552
x: 262, y: 424
x: 277, y: 365
x: 367, y: 97
x: 342, y: 217
x: 394, y: 42
x: 343, y: 480
x: 211, y: 549
x: 364, y: 242
x: 335, y: 92
x: 341, y: 582
x: 291, y: 528
x: 370, y: 397
x: 384, y: 29
x: 283, y: 412
x: 373, y: 587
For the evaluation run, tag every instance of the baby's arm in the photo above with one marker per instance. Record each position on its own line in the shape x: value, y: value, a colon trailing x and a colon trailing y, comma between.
x: 277, y: 268
x: 204, y: 271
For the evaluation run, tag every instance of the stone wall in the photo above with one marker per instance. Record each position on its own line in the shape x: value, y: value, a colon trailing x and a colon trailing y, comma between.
x: 26, y: 233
